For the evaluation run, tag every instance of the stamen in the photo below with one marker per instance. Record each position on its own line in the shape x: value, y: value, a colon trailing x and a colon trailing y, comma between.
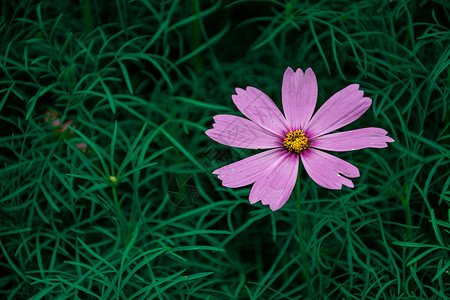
x: 296, y: 141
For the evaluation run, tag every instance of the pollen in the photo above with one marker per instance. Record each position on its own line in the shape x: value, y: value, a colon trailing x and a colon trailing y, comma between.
x: 295, y: 141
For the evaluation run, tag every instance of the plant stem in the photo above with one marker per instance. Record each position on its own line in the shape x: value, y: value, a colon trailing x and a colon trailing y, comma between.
x: 407, y: 208
x: 300, y: 240
x: 122, y: 221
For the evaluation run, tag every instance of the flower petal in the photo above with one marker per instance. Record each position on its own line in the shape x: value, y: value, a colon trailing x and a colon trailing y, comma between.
x: 247, y: 170
x: 299, y: 95
x: 341, y: 109
x: 325, y: 169
x: 82, y: 147
x: 259, y: 108
x: 370, y: 137
x: 238, y: 132
x: 275, y: 184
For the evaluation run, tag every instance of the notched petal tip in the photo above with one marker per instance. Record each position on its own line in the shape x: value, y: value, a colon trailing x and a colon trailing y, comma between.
x: 275, y: 206
x: 290, y: 74
x: 310, y: 74
x: 327, y: 170
x: 367, y: 100
x: 389, y: 140
x: 347, y: 183
x: 354, y: 86
x: 241, y: 91
x: 344, y: 181
x: 238, y: 90
x: 289, y: 70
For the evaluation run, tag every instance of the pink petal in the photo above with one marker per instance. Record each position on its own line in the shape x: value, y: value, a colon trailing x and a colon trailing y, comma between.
x: 259, y: 108
x: 239, y: 132
x: 275, y: 184
x: 64, y: 127
x: 326, y: 169
x: 81, y: 146
x: 341, y: 109
x: 353, y: 140
x: 50, y: 115
x: 247, y: 170
x: 299, y: 94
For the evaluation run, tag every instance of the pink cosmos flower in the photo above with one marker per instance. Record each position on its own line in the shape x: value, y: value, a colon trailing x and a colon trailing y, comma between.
x: 297, y: 135
x: 51, y: 115
x: 56, y: 122
x: 82, y: 147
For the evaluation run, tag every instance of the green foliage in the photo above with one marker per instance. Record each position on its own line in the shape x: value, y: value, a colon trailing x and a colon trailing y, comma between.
x: 137, y: 214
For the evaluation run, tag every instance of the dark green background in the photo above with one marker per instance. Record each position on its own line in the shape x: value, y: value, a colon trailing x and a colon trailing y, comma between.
x: 141, y: 81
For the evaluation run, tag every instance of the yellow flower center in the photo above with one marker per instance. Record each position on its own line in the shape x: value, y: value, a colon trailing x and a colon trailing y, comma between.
x: 295, y: 141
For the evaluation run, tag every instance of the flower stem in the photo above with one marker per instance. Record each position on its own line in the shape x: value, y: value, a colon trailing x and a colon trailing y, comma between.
x: 300, y: 240
x: 122, y: 220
